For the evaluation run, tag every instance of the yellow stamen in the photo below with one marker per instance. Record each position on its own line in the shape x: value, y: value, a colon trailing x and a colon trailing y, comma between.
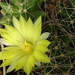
x: 27, y: 47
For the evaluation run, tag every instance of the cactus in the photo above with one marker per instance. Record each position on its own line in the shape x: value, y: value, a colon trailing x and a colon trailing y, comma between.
x: 26, y: 8
x: 60, y: 23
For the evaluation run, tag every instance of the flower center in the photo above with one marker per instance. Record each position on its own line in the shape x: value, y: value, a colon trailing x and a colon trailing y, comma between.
x: 27, y: 47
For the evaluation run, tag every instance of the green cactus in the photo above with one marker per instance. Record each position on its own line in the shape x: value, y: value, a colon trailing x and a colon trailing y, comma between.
x: 26, y: 8
x: 62, y: 30
x: 61, y: 25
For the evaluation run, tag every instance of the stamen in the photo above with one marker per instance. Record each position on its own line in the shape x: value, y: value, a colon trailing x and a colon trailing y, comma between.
x: 27, y: 47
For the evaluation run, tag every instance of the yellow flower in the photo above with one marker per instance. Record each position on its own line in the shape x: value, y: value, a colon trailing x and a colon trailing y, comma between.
x: 26, y: 45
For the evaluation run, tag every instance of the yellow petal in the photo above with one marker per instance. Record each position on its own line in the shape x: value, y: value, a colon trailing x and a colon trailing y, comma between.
x: 30, y: 29
x: 43, y: 42
x: 11, y: 52
x: 11, y: 67
x: 2, y: 31
x: 22, y: 23
x: 23, y: 27
x: 37, y: 32
x: 16, y: 23
x: 41, y: 48
x: 8, y: 41
x: 6, y: 62
x: 11, y: 42
x: 6, y: 35
x: 4, y: 42
x: 13, y: 48
x: 10, y: 60
x: 31, y: 60
x: 38, y: 63
x: 44, y: 36
x: 16, y: 36
x: 21, y: 62
x: 38, y: 21
x: 3, y: 55
x: 29, y: 64
x: 27, y: 68
x: 41, y: 57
